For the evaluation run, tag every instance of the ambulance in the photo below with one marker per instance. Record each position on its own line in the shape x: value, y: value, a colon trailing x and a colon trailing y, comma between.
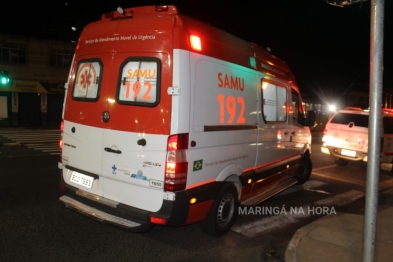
x: 170, y: 121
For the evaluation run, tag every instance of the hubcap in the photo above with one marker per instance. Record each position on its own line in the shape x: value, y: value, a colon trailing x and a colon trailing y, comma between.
x: 225, y: 210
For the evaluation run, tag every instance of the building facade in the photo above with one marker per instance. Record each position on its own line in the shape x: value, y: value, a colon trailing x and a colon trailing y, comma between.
x: 37, y: 71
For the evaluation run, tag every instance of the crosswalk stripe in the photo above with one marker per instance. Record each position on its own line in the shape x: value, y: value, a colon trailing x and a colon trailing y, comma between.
x: 45, y: 140
x: 273, y: 218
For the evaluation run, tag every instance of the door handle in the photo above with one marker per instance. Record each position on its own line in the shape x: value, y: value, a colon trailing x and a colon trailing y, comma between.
x: 110, y: 150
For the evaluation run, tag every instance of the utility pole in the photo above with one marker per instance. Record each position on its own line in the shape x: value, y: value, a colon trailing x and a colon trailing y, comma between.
x: 375, y: 117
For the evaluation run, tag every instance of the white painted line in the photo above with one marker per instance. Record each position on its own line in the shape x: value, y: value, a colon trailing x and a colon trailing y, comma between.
x: 341, y: 199
x: 306, y: 186
x: 268, y: 224
x: 291, y: 215
x: 324, y: 167
x: 313, y: 183
x: 359, y: 183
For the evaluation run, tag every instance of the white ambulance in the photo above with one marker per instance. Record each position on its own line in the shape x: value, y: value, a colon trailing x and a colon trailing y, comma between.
x: 170, y: 121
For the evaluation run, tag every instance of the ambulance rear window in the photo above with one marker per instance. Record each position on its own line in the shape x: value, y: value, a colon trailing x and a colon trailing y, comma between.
x: 87, y: 80
x: 139, y: 82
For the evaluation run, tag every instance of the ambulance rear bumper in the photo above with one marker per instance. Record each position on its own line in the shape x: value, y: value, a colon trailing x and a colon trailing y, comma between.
x: 175, y: 211
x: 103, y: 216
x: 336, y: 152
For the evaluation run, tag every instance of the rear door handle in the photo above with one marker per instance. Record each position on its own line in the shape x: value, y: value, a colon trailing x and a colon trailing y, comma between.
x: 110, y: 150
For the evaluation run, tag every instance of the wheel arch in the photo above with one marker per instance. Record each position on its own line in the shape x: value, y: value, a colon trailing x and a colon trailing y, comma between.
x: 231, y: 173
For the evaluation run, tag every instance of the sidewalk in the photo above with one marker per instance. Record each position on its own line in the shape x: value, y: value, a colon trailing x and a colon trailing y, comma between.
x: 340, y: 238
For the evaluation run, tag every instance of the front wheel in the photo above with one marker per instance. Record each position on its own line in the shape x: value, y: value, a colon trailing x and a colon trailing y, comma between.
x: 304, y: 171
x: 223, y: 212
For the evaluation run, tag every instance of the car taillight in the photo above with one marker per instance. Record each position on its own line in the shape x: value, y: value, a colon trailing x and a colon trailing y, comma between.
x: 61, y: 138
x: 325, y: 132
x: 176, y: 163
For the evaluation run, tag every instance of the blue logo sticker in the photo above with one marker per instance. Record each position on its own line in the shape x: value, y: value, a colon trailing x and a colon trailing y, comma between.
x: 114, y: 169
x: 139, y: 175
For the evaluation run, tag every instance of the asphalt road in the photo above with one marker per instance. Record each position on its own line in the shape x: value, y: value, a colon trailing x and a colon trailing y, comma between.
x: 35, y: 227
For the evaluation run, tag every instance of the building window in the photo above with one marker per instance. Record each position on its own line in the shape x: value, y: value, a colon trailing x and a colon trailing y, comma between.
x: 12, y: 54
x: 60, y: 59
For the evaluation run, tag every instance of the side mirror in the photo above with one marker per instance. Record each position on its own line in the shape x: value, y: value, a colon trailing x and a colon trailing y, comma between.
x: 310, y: 119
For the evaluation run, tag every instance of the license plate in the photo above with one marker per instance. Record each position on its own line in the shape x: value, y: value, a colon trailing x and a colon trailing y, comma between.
x: 81, y: 179
x: 346, y: 152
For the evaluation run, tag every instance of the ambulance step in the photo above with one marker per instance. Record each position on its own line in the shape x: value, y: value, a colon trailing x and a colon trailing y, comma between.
x: 103, y: 216
x: 269, y: 193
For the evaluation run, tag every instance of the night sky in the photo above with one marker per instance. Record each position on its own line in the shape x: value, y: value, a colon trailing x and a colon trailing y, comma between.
x: 327, y: 47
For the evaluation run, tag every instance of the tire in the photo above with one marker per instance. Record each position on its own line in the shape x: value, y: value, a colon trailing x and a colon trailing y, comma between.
x: 304, y: 171
x: 341, y: 162
x: 222, y: 213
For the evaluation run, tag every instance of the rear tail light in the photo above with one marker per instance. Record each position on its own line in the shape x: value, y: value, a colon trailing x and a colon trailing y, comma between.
x: 324, y: 132
x: 61, y: 134
x: 176, y: 163
x: 389, y: 149
x: 61, y: 138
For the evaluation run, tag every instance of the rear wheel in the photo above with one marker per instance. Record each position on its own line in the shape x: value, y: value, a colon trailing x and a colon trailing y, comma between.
x: 223, y: 212
x: 341, y: 162
x: 304, y: 171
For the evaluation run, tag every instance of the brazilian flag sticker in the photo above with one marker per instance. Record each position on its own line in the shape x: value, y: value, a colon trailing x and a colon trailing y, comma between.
x: 197, y: 165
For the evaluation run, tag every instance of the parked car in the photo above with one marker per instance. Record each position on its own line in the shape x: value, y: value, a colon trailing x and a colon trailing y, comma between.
x: 345, y: 137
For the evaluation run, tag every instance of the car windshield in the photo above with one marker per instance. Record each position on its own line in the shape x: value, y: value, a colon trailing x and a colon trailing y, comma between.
x: 346, y: 118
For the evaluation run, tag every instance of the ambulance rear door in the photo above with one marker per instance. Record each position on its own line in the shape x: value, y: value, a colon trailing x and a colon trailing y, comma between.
x: 117, y: 120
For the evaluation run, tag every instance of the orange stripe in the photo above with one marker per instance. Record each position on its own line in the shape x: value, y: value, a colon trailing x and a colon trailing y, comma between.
x: 271, y: 163
x: 248, y: 169
x: 201, y: 183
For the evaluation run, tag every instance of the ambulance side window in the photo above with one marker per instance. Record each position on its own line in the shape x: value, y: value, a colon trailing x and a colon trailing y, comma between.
x: 87, y: 80
x: 139, y: 82
x: 274, y: 99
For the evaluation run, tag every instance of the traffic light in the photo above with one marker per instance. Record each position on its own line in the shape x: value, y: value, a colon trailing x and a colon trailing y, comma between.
x: 4, y: 79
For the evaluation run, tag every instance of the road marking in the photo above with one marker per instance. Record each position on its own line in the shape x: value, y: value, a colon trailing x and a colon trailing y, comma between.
x: 306, y: 186
x: 280, y: 218
x: 40, y: 139
x: 324, y: 167
x: 268, y: 224
x: 359, y: 183
x: 341, y: 199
